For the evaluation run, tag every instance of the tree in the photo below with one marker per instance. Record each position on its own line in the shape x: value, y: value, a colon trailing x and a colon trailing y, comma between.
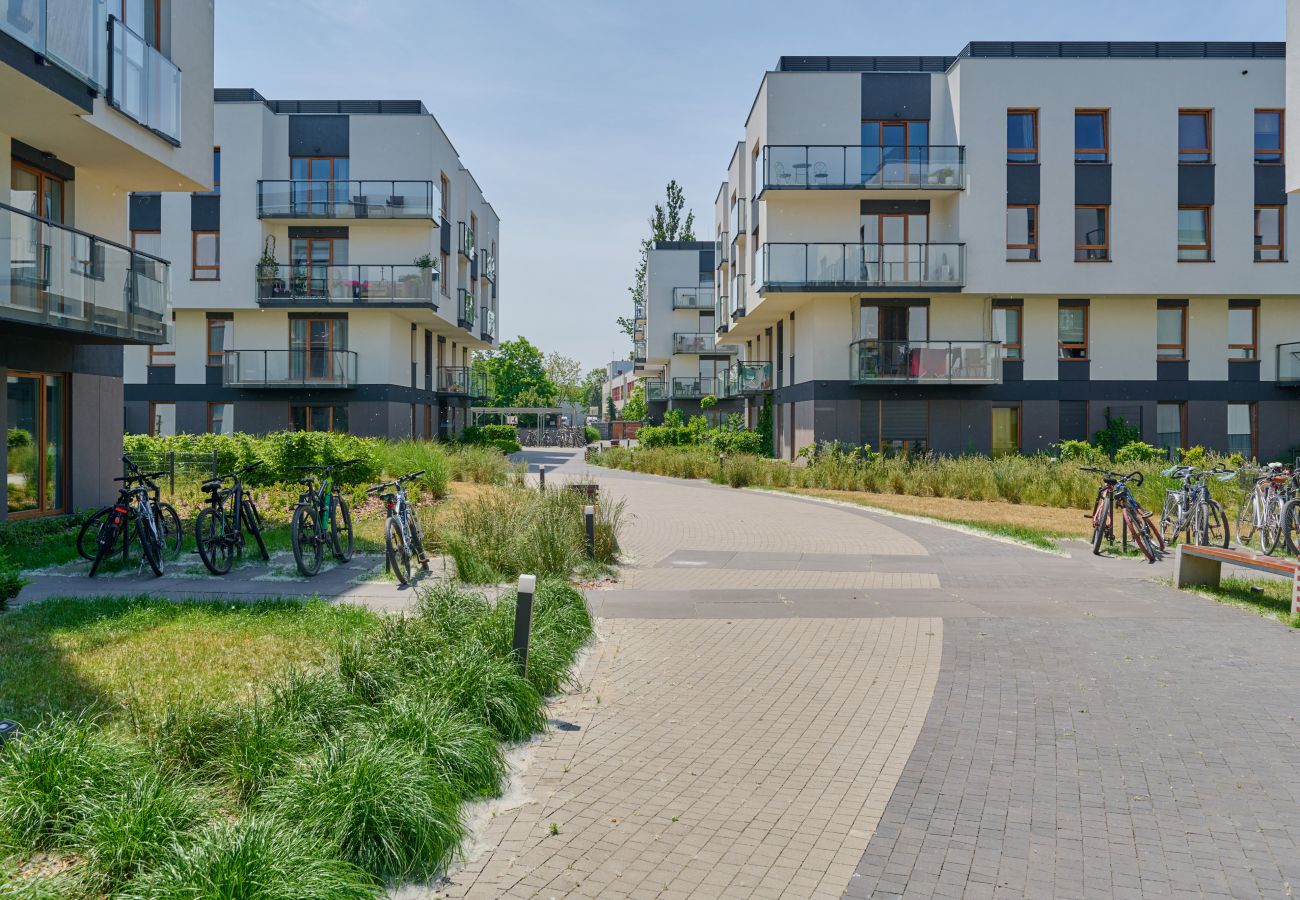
x: 565, y: 373
x: 665, y: 225
x: 634, y: 409
x: 611, y: 411
x: 593, y: 386
x: 517, y: 367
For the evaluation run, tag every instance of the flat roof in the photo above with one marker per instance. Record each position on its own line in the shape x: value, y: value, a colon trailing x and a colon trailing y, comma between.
x: 323, y: 107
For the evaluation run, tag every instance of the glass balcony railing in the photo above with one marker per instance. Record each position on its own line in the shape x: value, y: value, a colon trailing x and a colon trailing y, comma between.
x: 750, y: 377
x: 488, y: 324
x: 693, y: 387
x: 863, y: 266
x: 317, y: 368
x: 465, y: 309
x: 692, y: 297
x: 317, y: 199
x: 465, y: 240
x: 925, y: 362
x: 655, y: 389
x: 359, y: 284
x: 699, y: 342
x: 142, y: 83
x: 68, y: 33
x: 721, y: 311
x: 453, y: 379
x: 638, y: 309
x: 721, y: 250
x: 864, y: 168
x: 638, y: 351
x: 488, y: 267
x: 480, y: 385
x: 59, y: 277
x: 1288, y: 363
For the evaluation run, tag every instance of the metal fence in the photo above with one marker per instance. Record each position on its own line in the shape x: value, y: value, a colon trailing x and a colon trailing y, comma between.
x: 564, y: 436
x: 185, y: 466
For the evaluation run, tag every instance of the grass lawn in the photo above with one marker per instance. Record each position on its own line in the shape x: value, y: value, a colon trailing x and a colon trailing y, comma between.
x: 1270, y: 597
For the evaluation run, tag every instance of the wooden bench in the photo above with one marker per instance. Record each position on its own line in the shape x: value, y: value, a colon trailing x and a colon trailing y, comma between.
x: 1198, y: 565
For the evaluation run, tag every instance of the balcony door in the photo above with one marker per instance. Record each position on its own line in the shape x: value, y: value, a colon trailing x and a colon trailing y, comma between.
x: 141, y: 16
x: 36, y: 406
x: 319, y: 182
x: 893, y: 247
x: 894, y: 152
x: 314, y: 263
x: 316, y: 347
x: 31, y: 262
x: 889, y: 335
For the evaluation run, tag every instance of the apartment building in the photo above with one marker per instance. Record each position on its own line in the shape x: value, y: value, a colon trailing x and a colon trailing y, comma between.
x: 96, y: 101
x: 620, y: 379
x: 997, y: 250
x: 338, y: 277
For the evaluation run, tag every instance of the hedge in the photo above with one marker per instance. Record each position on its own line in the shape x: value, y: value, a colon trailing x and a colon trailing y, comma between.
x: 279, y: 452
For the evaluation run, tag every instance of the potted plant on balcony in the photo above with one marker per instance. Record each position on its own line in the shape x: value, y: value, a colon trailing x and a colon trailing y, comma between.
x: 268, y: 270
x: 428, y: 268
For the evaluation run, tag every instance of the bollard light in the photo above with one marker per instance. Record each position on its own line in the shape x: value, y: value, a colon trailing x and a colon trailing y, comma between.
x: 8, y: 731
x: 524, y: 620
x: 589, y: 513
x: 541, y: 478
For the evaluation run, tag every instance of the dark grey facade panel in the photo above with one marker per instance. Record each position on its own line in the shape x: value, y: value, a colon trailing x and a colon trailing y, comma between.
x: 1095, y: 391
x: 97, y: 359
x: 1196, y: 184
x: 1243, y: 370
x: 1013, y: 370
x: 23, y: 59
x: 1023, y: 183
x: 1270, y: 185
x: 145, y: 212
x: 444, y: 237
x: 1171, y: 370
x: 895, y: 95
x: 1072, y: 420
x: 160, y: 375
x: 904, y: 420
x: 1073, y: 369
x: 335, y: 232
x: 46, y: 162
x: 869, y: 414
x: 706, y: 261
x: 684, y: 245
x: 314, y: 135
x: 875, y: 207
x: 205, y: 212
x: 1092, y: 183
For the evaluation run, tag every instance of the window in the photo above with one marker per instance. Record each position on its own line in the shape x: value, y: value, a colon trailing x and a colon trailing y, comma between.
x: 221, y: 418
x: 755, y: 179
x: 217, y: 326
x: 164, y: 354
x: 147, y: 241
x: 207, y: 255
x: 894, y: 151
x: 1270, y: 233
x: 1171, y: 331
x: 36, y: 467
x: 216, y: 170
x: 1268, y: 136
x: 1006, y: 430
x: 1194, y: 136
x: 1091, y: 233
x: 1194, y: 234
x: 444, y: 280
x: 317, y: 350
x: 1091, y: 135
x: 318, y: 183
x: 162, y: 419
x: 445, y: 189
x: 1022, y: 135
x: 1171, y: 424
x: 318, y: 418
x: 318, y: 268
x: 1071, y: 331
x: 1243, y: 329
x: 1022, y: 233
x: 1241, y: 429
x: 144, y: 17
x: 1006, y: 328
x: 753, y: 258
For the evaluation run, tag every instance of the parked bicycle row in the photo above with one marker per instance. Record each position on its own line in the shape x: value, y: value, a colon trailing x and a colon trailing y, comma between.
x: 321, y: 523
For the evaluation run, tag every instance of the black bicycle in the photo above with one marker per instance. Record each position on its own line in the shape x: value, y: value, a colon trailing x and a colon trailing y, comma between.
x: 321, y: 519
x: 135, y: 510
x: 220, y: 526
x: 173, y: 533
x: 403, y: 536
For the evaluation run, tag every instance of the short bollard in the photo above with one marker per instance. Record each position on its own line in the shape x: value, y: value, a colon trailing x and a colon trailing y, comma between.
x: 589, y: 513
x: 524, y: 620
x: 8, y: 731
x: 541, y: 478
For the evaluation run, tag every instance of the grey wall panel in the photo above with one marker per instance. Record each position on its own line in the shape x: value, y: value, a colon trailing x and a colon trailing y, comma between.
x: 97, y: 359
x: 318, y: 136
x: 958, y: 427
x: 1270, y: 185
x: 135, y: 417
x: 191, y: 417
x: 872, y: 207
x: 261, y: 416
x: 1023, y: 183
x: 1039, y: 423
x: 1195, y: 184
x: 1207, y: 424
x: 1243, y: 370
x: 1171, y: 370
x: 95, y: 440
x: 205, y: 212
x: 145, y: 212
x: 1092, y: 183
x: 1277, y: 430
x: 1073, y: 369
x: 895, y: 95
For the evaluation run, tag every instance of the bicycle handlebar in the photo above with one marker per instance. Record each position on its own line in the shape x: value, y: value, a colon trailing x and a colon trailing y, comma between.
x: 409, y: 476
x: 325, y: 467
x: 142, y: 477
x: 1118, y: 476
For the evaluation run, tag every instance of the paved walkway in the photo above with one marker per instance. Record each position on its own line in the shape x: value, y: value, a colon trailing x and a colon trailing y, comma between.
x: 790, y: 699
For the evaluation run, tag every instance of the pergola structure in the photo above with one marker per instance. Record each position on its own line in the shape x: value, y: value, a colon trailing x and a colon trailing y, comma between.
x: 497, y: 414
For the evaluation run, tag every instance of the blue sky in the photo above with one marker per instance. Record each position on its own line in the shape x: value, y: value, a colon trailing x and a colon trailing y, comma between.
x: 574, y: 114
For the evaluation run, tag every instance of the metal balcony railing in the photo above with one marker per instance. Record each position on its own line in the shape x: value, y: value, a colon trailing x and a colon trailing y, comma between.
x: 453, y: 379
x: 855, y: 267
x: 693, y: 388
x: 692, y: 297
x: 321, y: 199
x: 925, y: 362
x: 655, y: 389
x: 1288, y: 363
x: 142, y: 83
x: 848, y: 167
x: 638, y: 351
x: 698, y: 342
x: 750, y: 377
x: 63, y: 278
x: 317, y: 368
x: 721, y: 250
x: 348, y: 285
x: 465, y: 309
x: 480, y: 385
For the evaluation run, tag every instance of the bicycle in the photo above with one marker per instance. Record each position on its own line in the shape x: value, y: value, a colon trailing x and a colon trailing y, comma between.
x: 136, y: 507
x: 172, y: 530
x: 321, y: 517
x: 1114, y: 491
x: 1191, y: 511
x: 403, y: 536
x: 1262, y: 506
x: 219, y: 527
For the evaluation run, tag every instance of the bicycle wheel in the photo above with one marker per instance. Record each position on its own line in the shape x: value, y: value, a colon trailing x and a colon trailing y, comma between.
x: 88, y: 537
x: 150, y: 545
x: 399, y: 556
x: 1170, y: 520
x: 210, y: 538
x: 1270, y: 535
x: 1098, y: 526
x: 107, y: 544
x: 253, y: 522
x: 1291, y: 526
x: 173, y: 532
x: 1138, y: 531
x: 1216, y: 526
x: 1246, y: 525
x: 417, y: 540
x: 305, y: 535
x: 341, y: 530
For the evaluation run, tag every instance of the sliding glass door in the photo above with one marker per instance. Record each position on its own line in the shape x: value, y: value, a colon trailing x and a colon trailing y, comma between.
x: 36, y: 473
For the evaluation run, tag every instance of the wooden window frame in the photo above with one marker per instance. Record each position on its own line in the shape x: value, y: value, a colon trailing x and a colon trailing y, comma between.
x: 444, y: 185
x: 1020, y: 432
x: 207, y: 337
x: 1104, y: 247
x: 139, y: 231
x: 1253, y: 346
x: 1180, y: 347
x: 1032, y: 246
x: 153, y: 418
x: 1060, y: 345
x: 1033, y: 114
x: 309, y: 406
x: 1280, y: 246
x: 1104, y: 149
x: 1018, y: 345
x: 42, y: 442
x: 43, y: 176
x: 1208, y: 149
x: 1182, y: 420
x: 195, y: 268
x: 1254, y: 426
x: 1280, y: 152
x: 158, y: 357
x: 1208, y: 246
x: 216, y: 170
x: 212, y: 403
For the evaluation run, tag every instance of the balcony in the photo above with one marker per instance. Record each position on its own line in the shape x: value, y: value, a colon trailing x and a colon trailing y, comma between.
x: 721, y: 250
x: 863, y: 267
x: 465, y: 309
x: 465, y: 241
x: 72, y: 39
x: 308, y: 368
x: 1288, y: 363
x: 143, y: 84
x: 360, y: 285
x: 747, y: 378
x: 693, y: 387
x: 314, y: 199
x: 76, y: 283
x: 925, y: 362
x: 480, y: 385
x: 453, y: 380
x: 488, y: 266
x: 655, y: 389
x: 720, y: 311
x: 842, y: 167
x: 638, y: 351
x: 487, y: 324
x: 698, y: 342
x: 693, y: 297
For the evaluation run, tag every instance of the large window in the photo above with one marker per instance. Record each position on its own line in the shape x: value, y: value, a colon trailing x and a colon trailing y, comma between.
x: 1270, y: 233
x: 1171, y: 331
x: 221, y: 418
x: 1241, y: 429
x: 1022, y: 233
x: 320, y: 182
x: 1006, y: 430
x: 1195, y: 136
x: 1171, y: 425
x: 1006, y: 328
x: 313, y: 261
x: 217, y: 330
x: 894, y: 151
x: 1072, y: 330
x: 1091, y: 135
x: 317, y: 349
x: 1194, y: 234
x: 147, y: 241
x: 445, y: 189
x: 207, y: 256
x: 318, y: 418
x: 1269, y: 139
x: 1022, y: 135
x: 36, y: 412
x: 162, y: 419
x: 1243, y: 329
x: 1091, y: 233
x: 886, y: 332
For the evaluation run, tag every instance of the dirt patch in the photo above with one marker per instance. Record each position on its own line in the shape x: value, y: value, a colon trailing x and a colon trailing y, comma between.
x: 1072, y: 522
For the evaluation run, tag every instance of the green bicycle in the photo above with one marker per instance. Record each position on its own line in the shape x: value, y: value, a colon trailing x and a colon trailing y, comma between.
x: 321, y: 519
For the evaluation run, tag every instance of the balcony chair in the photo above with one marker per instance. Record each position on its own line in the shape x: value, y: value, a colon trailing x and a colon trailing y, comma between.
x: 820, y: 172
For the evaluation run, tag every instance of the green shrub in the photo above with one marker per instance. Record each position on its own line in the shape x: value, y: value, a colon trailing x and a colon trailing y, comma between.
x: 279, y: 452
x: 665, y: 435
x: 410, y: 455
x: 1139, y: 452
x: 1081, y: 452
x: 19, y: 438
x: 1194, y: 456
x: 673, y: 419
x: 730, y: 441
x: 592, y: 434
x: 1115, y: 435
x: 11, y: 579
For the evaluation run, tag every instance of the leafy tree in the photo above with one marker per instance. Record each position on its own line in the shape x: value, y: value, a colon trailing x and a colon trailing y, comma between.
x: 592, y: 386
x: 518, y: 368
x: 634, y: 409
x: 666, y: 224
x: 565, y: 373
x: 611, y: 411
